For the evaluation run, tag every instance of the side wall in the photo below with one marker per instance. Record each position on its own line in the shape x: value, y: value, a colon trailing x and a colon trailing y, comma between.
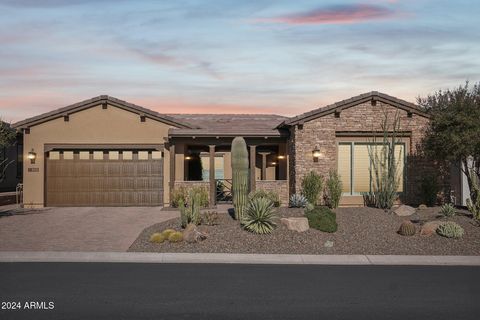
x: 322, y: 133
x: 90, y: 126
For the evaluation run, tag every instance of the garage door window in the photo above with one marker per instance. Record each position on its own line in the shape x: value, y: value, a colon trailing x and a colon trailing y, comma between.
x: 127, y: 155
x: 113, y: 155
x: 84, y: 155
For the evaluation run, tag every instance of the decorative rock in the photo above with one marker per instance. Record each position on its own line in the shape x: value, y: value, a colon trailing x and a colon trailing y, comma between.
x: 422, y: 207
x: 192, y: 235
x: 430, y: 228
x: 295, y: 223
x: 404, y: 210
x: 328, y: 244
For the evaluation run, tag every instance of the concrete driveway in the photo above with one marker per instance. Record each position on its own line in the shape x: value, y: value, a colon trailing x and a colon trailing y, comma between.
x: 76, y: 229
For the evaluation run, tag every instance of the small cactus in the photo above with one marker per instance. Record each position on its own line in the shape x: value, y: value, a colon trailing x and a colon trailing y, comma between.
x: 239, y: 176
x: 176, y: 236
x: 190, y: 214
x: 167, y: 232
x: 407, y: 228
x: 157, y: 237
x: 450, y: 230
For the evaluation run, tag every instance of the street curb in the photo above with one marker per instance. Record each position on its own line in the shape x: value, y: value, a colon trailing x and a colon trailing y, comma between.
x: 227, y: 258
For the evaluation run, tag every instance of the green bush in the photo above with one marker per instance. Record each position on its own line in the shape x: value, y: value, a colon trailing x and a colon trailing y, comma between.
x: 429, y: 189
x: 259, y: 216
x: 176, y: 236
x: 447, y: 210
x: 312, y: 185
x: 270, y: 195
x: 322, y: 218
x: 157, y: 238
x: 186, y: 195
x: 450, y: 230
x: 333, y: 189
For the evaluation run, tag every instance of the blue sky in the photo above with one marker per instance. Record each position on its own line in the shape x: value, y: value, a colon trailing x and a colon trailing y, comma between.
x: 283, y: 57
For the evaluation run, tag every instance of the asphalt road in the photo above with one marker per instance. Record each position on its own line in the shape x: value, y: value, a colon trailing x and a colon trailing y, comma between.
x: 206, y: 291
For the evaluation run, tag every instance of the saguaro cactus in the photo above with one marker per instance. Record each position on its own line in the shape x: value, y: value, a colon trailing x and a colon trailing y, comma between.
x: 239, y: 176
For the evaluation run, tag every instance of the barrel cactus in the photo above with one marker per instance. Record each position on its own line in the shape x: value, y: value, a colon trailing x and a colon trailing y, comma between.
x: 239, y: 176
x: 407, y: 228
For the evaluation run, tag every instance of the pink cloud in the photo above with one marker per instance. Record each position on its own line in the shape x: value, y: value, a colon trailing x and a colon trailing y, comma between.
x: 342, y: 14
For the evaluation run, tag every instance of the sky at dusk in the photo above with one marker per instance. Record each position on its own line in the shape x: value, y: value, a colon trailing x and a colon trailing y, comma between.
x: 283, y: 57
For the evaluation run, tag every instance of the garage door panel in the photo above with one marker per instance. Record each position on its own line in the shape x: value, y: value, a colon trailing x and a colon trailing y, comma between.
x: 116, y: 182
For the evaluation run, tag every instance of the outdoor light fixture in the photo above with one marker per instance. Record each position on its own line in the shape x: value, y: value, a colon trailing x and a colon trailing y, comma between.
x: 281, y: 157
x: 188, y: 158
x: 274, y: 163
x: 32, y: 156
x: 316, y: 153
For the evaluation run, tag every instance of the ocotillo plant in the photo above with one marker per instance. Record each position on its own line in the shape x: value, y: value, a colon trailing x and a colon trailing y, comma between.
x: 239, y: 176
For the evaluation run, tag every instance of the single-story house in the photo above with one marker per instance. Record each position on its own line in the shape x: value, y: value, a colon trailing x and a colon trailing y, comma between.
x: 108, y: 152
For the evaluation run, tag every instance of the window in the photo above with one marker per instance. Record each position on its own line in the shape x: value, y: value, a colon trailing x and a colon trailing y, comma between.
x: 354, y: 166
x: 219, y: 169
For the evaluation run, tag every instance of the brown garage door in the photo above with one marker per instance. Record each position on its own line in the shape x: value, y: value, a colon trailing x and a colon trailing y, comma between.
x: 104, y: 178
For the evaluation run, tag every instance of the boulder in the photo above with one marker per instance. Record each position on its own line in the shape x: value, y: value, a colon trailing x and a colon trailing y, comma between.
x: 298, y: 224
x: 404, y: 211
x: 422, y: 207
x: 192, y: 235
x: 430, y: 228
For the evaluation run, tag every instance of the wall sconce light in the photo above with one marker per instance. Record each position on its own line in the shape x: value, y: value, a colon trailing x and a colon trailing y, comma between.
x: 274, y: 163
x: 188, y: 158
x: 281, y: 157
x: 32, y: 156
x: 317, y: 154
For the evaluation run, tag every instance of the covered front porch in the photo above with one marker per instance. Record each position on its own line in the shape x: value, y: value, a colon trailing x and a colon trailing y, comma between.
x: 206, y: 161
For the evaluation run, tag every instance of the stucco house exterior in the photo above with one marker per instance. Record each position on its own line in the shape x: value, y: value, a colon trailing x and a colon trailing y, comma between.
x: 108, y: 152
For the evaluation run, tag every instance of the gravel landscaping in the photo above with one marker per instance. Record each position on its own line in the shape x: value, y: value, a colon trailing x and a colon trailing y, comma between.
x: 360, y: 231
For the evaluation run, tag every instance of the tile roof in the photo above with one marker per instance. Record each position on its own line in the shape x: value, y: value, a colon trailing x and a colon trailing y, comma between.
x: 229, y: 124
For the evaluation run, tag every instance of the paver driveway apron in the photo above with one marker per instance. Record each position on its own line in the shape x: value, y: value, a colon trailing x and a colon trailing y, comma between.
x: 77, y: 229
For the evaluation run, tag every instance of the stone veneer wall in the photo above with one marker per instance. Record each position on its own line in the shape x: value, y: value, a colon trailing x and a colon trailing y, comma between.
x: 279, y: 186
x: 321, y: 132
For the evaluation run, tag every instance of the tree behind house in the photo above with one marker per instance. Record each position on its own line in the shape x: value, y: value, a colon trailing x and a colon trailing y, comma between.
x: 454, y: 132
x: 7, y: 138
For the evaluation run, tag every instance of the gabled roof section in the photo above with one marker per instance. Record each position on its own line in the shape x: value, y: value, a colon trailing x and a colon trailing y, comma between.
x: 95, y: 102
x: 345, y: 104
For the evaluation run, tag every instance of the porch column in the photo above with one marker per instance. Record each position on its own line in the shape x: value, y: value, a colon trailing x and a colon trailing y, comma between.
x: 172, y: 169
x: 264, y: 164
x: 213, y: 187
x: 253, y: 155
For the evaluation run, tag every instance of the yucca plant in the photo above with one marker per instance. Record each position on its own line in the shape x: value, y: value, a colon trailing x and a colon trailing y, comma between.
x: 259, y: 216
x: 447, y: 210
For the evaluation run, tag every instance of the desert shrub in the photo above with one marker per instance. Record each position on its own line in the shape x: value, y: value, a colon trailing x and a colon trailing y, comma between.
x: 187, y: 194
x: 270, y: 195
x: 259, y: 216
x: 429, y: 189
x: 384, y: 163
x: 450, y: 229
x: 176, y: 236
x: 447, y: 210
x: 312, y: 185
x: 167, y: 232
x: 298, y: 201
x: 210, y: 218
x: 322, y: 218
x: 333, y: 189
x: 157, y: 237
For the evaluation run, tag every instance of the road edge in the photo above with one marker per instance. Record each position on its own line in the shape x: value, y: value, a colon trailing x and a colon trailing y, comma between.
x: 227, y: 258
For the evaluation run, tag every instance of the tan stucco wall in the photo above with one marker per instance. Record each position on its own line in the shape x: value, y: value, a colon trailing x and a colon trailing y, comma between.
x: 91, y: 126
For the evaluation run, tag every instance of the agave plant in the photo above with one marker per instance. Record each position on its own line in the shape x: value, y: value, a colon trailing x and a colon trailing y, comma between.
x: 259, y: 216
x: 298, y: 201
x: 447, y: 210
